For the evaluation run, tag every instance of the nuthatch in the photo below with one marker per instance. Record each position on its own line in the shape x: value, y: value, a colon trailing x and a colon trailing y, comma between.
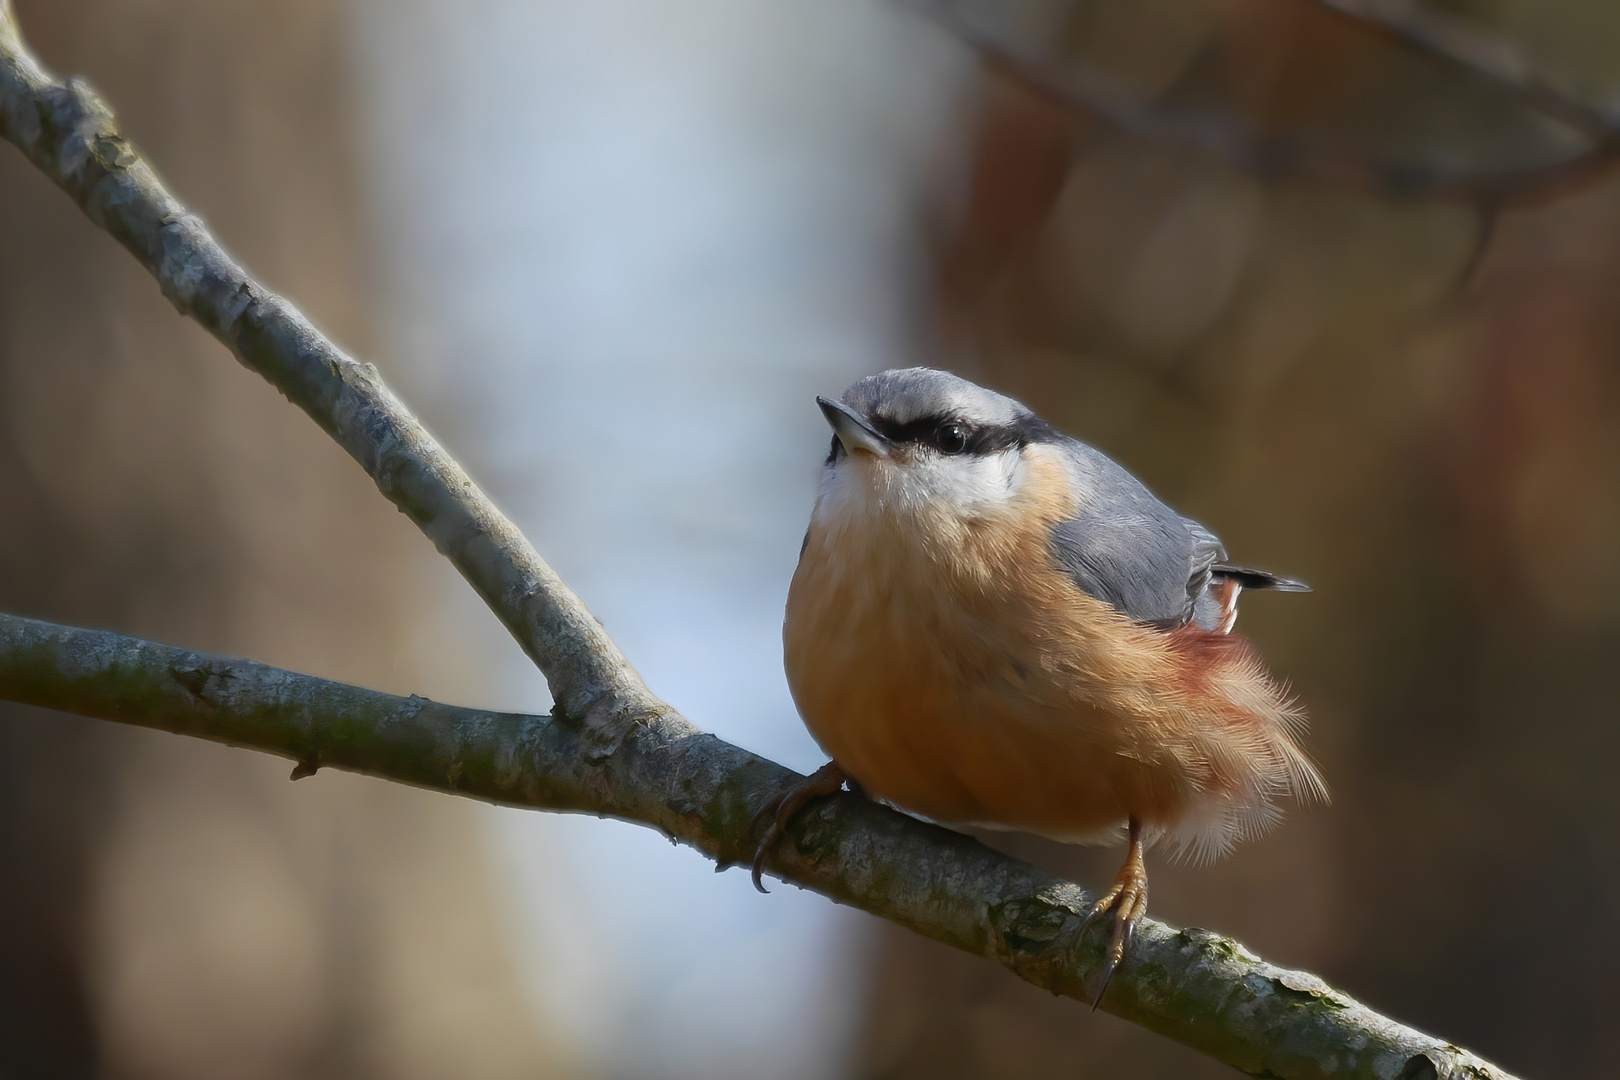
x: 992, y: 624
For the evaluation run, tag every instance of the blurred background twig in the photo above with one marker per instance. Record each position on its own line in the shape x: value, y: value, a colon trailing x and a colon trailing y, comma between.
x: 1244, y: 142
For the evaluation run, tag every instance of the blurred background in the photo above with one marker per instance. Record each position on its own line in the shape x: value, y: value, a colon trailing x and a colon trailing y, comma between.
x: 1319, y: 297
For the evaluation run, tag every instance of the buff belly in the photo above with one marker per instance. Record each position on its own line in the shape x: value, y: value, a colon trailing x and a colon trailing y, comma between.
x: 922, y: 733
x: 954, y: 702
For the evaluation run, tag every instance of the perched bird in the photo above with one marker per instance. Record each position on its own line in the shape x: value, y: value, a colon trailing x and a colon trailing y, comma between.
x: 993, y: 624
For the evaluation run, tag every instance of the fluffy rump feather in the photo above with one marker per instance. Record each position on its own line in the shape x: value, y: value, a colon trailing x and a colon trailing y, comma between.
x: 1255, y: 757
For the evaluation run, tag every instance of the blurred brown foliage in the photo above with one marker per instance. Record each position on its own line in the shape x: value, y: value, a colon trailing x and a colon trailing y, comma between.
x: 173, y: 908
x: 1311, y: 372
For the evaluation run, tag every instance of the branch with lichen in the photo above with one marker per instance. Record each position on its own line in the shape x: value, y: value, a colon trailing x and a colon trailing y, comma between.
x: 1192, y: 985
x: 611, y: 748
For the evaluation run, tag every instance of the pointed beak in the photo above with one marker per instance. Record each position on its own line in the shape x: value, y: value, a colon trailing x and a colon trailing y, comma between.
x: 853, y: 430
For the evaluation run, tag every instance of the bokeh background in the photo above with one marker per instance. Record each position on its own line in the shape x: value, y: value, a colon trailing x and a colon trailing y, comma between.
x: 610, y: 251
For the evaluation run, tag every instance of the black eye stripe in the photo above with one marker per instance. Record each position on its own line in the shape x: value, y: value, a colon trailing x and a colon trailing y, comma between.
x: 986, y: 439
x: 916, y: 431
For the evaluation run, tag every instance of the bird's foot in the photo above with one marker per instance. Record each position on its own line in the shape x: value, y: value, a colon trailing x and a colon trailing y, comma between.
x: 1127, y: 900
x: 819, y: 784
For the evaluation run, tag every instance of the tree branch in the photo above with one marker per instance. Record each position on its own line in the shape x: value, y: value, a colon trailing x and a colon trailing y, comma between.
x: 612, y: 748
x: 1242, y: 145
x: 1196, y: 986
x: 72, y: 136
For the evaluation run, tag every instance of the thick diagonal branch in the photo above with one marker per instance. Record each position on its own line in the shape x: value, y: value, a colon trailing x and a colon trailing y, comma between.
x: 1193, y: 985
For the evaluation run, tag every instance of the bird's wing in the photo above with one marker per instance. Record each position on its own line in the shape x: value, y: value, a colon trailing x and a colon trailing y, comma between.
x: 1128, y: 548
x: 1148, y: 568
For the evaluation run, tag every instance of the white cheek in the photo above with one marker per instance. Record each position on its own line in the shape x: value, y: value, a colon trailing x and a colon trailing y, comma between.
x: 968, y: 486
x: 972, y: 487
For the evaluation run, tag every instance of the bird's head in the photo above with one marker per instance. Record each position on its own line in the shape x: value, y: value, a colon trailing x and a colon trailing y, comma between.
x: 912, y: 438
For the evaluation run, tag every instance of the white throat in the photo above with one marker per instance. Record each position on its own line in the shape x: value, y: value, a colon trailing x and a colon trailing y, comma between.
x: 963, y: 487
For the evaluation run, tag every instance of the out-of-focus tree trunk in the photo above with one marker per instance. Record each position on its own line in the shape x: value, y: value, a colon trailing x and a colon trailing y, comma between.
x: 1293, y: 365
x: 169, y: 908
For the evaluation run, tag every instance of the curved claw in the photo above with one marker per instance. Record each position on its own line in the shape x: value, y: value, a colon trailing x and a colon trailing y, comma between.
x: 773, y: 833
x: 819, y: 784
x: 1128, y: 902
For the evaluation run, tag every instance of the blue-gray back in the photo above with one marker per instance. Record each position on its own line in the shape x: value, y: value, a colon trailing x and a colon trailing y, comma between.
x: 1128, y: 548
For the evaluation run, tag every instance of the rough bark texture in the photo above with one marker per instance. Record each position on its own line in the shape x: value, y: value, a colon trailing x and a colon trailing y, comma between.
x: 147, y: 487
x: 1190, y: 984
x: 613, y: 748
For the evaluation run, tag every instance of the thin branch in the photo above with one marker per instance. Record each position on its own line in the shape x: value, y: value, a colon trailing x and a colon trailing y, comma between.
x: 1240, y: 143
x: 612, y: 748
x: 72, y: 136
x: 1193, y: 985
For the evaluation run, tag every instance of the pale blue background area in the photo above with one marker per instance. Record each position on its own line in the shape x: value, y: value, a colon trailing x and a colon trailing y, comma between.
x: 624, y: 243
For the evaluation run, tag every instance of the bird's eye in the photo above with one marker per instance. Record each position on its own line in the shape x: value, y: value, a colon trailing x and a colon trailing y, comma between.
x: 951, y: 438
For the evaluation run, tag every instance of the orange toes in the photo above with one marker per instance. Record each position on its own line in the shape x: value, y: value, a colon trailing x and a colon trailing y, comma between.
x: 819, y: 784
x: 1127, y: 900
